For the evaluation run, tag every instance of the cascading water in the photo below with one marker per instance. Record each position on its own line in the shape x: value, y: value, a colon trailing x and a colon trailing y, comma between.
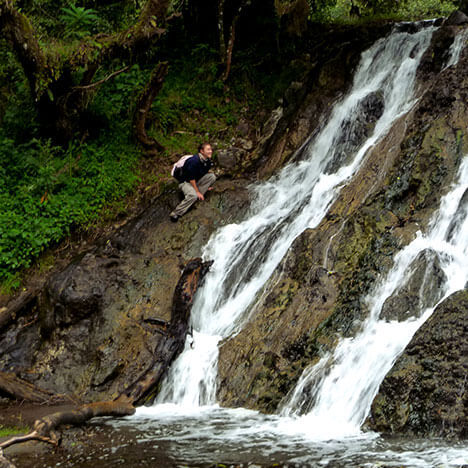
x: 246, y: 254
x: 341, y: 386
x: 345, y: 383
x: 457, y: 47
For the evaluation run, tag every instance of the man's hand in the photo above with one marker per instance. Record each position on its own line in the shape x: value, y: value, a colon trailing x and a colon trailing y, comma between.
x: 193, y: 183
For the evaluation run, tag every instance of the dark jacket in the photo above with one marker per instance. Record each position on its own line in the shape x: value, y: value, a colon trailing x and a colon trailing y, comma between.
x: 194, y: 168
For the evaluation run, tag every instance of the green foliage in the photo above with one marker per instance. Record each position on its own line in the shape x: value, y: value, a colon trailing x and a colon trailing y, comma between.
x: 6, y: 431
x: 426, y: 8
x: 78, y: 21
x: 45, y: 191
x: 341, y: 11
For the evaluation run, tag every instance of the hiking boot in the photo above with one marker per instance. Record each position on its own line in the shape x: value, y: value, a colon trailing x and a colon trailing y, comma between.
x: 174, y: 218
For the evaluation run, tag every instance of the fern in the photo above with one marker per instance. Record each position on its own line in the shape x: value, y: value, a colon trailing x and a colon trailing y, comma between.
x: 78, y: 20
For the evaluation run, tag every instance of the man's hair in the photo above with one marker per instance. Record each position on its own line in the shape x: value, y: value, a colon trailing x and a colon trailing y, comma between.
x: 202, y: 146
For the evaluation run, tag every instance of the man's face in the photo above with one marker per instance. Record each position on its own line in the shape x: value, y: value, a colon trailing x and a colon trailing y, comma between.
x: 206, y: 151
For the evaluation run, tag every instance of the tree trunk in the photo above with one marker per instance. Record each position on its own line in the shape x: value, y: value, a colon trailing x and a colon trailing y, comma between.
x: 232, y: 36
x: 221, y: 38
x: 143, y: 106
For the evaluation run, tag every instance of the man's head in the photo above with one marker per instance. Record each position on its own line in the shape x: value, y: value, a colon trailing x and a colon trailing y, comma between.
x: 205, y: 150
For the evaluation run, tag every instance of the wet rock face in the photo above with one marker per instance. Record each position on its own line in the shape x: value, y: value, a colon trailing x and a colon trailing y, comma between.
x: 317, y: 294
x: 100, y: 323
x: 425, y: 393
x: 74, y: 294
x: 321, y: 81
x: 460, y: 214
x: 437, y: 55
x: 423, y: 288
x: 357, y: 130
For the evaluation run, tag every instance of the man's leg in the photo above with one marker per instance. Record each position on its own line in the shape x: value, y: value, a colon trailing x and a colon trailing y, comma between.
x: 187, y: 202
x: 206, y: 182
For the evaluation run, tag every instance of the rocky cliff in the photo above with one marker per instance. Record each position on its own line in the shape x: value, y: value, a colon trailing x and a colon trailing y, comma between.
x: 317, y: 292
x: 95, y: 328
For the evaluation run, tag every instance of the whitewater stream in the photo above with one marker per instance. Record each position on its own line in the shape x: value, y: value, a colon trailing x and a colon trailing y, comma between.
x: 320, y: 424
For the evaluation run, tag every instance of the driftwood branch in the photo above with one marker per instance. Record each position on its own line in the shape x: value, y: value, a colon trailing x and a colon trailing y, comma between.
x: 34, y: 435
x: 143, y: 107
x: 80, y: 415
x: 44, y: 428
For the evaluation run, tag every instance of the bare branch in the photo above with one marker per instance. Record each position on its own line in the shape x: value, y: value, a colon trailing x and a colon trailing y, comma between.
x: 34, y: 435
x: 100, y: 82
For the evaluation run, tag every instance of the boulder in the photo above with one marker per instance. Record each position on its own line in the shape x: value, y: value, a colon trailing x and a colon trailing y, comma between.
x: 75, y: 293
x: 229, y: 158
x: 425, y: 393
x: 424, y: 287
x: 457, y: 18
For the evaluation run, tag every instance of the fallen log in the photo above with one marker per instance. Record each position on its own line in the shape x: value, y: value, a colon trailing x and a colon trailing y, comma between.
x: 44, y: 427
x: 47, y: 424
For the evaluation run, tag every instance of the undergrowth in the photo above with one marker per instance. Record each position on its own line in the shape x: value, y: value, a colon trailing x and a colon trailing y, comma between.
x: 46, y: 191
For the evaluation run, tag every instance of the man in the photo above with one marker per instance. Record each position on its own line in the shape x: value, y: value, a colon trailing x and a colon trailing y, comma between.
x: 196, y: 179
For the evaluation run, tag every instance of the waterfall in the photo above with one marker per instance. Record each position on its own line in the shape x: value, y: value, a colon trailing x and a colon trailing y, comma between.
x: 344, y: 384
x: 246, y: 254
x: 456, y: 48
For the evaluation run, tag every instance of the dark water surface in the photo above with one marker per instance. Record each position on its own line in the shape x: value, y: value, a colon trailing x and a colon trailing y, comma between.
x: 232, y: 438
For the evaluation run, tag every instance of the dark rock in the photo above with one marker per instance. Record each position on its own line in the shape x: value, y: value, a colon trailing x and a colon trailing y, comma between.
x: 270, y: 125
x: 460, y: 215
x: 424, y: 288
x: 457, y: 18
x: 436, y: 56
x: 357, y: 129
x: 75, y: 293
x: 230, y: 157
x: 243, y: 128
x: 425, y: 393
x: 293, y: 95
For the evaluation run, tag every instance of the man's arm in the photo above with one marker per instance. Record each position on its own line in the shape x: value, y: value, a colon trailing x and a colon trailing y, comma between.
x: 194, y: 185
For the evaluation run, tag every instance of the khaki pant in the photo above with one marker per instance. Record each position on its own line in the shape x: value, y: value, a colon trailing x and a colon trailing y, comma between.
x: 203, y: 185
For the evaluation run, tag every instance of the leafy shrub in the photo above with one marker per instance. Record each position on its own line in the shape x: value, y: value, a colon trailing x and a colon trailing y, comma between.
x: 426, y: 8
x: 46, y: 191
